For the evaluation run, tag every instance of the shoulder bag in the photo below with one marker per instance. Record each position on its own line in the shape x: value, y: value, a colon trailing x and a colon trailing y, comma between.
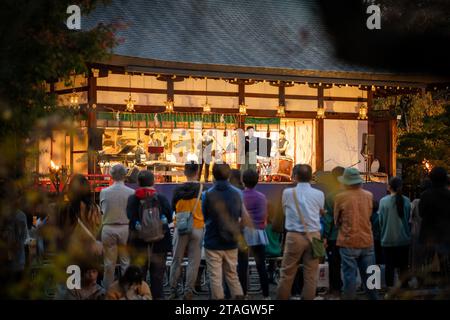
x: 185, y: 219
x: 318, y: 248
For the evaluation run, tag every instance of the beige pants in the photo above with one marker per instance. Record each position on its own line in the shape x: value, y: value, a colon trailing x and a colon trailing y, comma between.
x: 297, y: 249
x: 114, y: 239
x: 192, y: 242
x: 223, y: 262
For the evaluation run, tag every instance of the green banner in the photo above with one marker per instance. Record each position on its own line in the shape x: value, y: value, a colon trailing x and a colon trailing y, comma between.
x: 168, y: 117
x: 250, y: 120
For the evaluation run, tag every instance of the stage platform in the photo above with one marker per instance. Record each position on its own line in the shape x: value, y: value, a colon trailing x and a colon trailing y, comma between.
x: 273, y: 191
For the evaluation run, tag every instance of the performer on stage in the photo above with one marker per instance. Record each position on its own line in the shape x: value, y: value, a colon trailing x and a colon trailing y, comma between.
x: 205, y: 148
x: 154, y: 142
x: 283, y: 144
x: 251, y: 149
x: 140, y: 154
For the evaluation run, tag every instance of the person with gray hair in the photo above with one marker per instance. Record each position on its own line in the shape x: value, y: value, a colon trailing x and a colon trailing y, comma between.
x: 113, y: 203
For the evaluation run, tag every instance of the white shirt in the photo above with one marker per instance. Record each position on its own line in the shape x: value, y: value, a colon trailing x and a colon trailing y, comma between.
x: 113, y: 202
x: 310, y: 201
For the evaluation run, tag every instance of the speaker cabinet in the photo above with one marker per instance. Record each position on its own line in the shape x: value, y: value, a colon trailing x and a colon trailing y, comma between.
x: 368, y: 144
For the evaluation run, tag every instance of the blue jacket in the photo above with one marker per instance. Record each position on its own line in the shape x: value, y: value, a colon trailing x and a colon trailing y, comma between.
x: 395, y: 231
x: 222, y: 209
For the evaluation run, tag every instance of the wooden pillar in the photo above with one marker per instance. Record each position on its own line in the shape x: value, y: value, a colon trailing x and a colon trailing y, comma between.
x: 241, y: 92
x: 320, y: 133
x: 170, y: 89
x: 241, y: 119
x: 393, y: 147
x: 91, y: 123
x: 282, y: 96
x: 370, y: 123
x: 71, y: 153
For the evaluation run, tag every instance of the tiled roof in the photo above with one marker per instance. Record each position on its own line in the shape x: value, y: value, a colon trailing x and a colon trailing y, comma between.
x: 286, y: 34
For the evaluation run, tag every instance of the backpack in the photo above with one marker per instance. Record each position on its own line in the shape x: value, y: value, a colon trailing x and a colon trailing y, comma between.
x: 150, y: 219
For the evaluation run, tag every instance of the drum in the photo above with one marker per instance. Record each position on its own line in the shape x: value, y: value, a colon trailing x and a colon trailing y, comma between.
x: 379, y: 177
x: 282, y: 169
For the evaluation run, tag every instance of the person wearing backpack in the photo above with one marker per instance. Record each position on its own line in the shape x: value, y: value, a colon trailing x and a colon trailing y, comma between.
x: 150, y: 215
x: 222, y: 208
x: 188, y: 231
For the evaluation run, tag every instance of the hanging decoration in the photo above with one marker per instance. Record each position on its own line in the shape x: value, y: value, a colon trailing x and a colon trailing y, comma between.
x: 129, y: 107
x: 281, y: 111
x: 169, y: 105
x: 362, y: 112
x: 74, y: 98
x: 147, y: 130
x: 119, y: 132
x: 206, y: 105
x: 158, y: 119
x: 320, y: 113
x: 243, y: 109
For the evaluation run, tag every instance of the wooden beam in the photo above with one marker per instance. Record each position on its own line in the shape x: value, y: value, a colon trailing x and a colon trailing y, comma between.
x: 132, y: 90
x: 218, y: 93
x: 345, y: 99
x: 70, y: 90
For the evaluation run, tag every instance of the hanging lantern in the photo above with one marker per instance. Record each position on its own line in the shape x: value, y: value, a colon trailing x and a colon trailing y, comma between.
x: 130, y: 104
x: 74, y: 100
x: 206, y: 106
x: 320, y: 113
x: 243, y: 109
x: 169, y: 105
x: 362, y: 112
x: 281, y: 111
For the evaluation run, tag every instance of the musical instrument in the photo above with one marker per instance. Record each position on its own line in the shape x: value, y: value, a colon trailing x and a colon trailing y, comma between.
x: 374, y: 175
x: 379, y: 177
x: 125, y: 156
x: 282, y: 169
